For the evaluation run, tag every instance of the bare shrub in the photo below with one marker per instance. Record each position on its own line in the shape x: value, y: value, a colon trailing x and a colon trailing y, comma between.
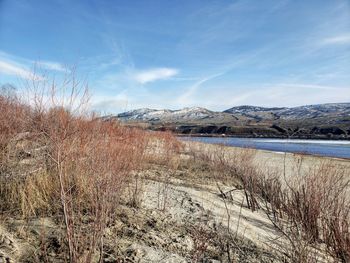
x: 83, y: 166
x: 162, y: 148
x: 12, y: 118
x: 234, y: 166
x: 135, y: 187
x: 310, y: 207
x: 315, y: 206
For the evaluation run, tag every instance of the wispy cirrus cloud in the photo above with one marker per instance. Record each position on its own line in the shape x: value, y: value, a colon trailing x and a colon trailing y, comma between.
x: 154, y: 74
x: 24, y: 68
x: 274, y: 94
x: 337, y: 40
x: 185, y: 98
x: 49, y: 65
x: 297, y: 94
x: 10, y: 68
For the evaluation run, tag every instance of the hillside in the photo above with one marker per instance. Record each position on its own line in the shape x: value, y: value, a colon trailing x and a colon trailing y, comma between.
x: 329, y: 110
x: 310, y: 121
x: 185, y: 115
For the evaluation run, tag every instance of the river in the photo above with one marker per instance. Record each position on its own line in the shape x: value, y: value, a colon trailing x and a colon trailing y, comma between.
x: 330, y: 148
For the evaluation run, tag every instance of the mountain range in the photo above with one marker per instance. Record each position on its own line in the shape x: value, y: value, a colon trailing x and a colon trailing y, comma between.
x: 330, y: 120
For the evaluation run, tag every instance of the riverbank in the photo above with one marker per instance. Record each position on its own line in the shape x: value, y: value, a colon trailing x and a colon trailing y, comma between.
x: 267, y: 136
x: 190, y: 204
x: 276, y: 160
x: 327, y: 148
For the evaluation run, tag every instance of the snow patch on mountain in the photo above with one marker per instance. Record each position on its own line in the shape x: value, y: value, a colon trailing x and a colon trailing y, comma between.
x: 146, y: 114
x: 307, y: 111
x: 338, y: 110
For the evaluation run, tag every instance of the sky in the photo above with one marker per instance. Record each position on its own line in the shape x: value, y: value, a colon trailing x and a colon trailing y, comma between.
x: 182, y: 53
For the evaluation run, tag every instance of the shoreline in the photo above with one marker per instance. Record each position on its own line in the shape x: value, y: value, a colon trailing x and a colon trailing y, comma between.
x: 321, y: 138
x: 277, y: 161
x: 300, y: 153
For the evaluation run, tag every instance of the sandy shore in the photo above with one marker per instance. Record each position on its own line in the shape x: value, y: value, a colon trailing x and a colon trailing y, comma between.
x: 278, y: 161
x: 192, y: 202
x: 196, y: 201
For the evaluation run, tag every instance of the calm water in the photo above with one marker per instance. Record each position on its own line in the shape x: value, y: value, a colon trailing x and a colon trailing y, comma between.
x: 339, y: 149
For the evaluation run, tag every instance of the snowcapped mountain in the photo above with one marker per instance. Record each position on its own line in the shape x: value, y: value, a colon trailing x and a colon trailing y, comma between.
x: 243, y: 113
x: 311, y: 121
x: 247, y: 108
x: 315, y: 111
x: 302, y: 112
x: 194, y: 113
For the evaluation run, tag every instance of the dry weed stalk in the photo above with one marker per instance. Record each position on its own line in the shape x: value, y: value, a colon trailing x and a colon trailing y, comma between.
x: 169, y: 148
x: 309, y: 207
x: 84, y: 163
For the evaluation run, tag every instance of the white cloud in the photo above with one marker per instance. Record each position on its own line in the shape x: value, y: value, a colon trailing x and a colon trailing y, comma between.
x: 306, y: 86
x: 10, y: 68
x: 23, y: 68
x: 185, y: 98
x: 155, y: 74
x: 337, y: 40
x: 52, y: 66
x: 110, y: 104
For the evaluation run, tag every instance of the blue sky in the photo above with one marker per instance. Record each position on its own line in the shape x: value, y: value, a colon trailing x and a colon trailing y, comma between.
x: 173, y: 54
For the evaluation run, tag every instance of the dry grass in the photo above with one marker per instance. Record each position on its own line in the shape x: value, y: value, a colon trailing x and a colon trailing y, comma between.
x: 60, y: 161
x: 310, y: 208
